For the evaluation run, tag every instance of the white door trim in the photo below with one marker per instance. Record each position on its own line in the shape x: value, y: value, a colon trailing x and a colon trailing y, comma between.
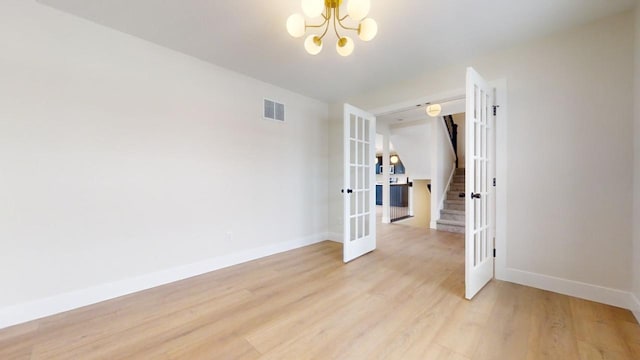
x: 502, y: 154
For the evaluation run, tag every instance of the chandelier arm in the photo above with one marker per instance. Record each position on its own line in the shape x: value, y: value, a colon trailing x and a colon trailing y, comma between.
x: 326, y: 20
x: 316, y: 26
x: 346, y: 27
x: 327, y: 14
x: 335, y: 22
x: 326, y: 29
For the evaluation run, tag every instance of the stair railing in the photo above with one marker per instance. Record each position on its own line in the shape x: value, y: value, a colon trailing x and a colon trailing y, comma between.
x: 452, y: 128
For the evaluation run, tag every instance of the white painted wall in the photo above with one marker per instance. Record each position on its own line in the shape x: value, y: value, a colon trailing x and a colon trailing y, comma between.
x: 569, y: 148
x: 442, y: 167
x: 121, y: 158
x: 336, y: 170
x: 412, y: 143
x: 636, y: 178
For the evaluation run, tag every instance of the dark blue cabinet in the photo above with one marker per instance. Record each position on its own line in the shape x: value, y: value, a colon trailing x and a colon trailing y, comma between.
x: 399, y: 195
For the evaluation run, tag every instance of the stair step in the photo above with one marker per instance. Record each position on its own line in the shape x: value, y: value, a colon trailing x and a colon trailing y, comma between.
x: 458, y: 178
x: 457, y: 187
x: 455, y: 215
x: 454, y: 205
x: 450, y: 226
x: 454, y: 201
x: 455, y: 195
x: 450, y: 222
x: 457, y: 212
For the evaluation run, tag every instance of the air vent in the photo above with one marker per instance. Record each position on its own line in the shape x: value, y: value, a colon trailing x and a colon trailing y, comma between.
x: 273, y: 110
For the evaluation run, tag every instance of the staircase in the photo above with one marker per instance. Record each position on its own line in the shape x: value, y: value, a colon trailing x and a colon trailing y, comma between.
x: 452, y: 216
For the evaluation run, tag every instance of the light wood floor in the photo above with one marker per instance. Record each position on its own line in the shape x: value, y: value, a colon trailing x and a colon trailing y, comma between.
x: 403, y: 301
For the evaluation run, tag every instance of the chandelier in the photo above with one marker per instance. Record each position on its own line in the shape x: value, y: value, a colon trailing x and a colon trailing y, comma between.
x: 329, y: 11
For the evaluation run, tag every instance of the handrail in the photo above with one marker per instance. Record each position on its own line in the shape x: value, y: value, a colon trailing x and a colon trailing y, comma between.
x: 452, y: 128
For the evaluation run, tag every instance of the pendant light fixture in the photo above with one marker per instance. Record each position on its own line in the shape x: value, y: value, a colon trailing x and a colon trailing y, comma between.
x: 329, y: 12
x: 434, y: 110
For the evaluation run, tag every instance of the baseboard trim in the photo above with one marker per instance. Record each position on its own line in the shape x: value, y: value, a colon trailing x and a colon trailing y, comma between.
x: 21, y: 313
x: 635, y: 307
x: 577, y: 289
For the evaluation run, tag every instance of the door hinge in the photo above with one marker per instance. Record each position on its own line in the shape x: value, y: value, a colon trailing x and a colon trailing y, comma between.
x: 494, y: 182
x: 495, y: 110
x: 494, y: 252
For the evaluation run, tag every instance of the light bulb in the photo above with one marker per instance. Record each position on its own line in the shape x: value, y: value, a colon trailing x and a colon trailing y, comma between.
x: 312, y: 8
x: 296, y: 25
x: 358, y: 9
x: 344, y: 46
x: 394, y: 159
x: 434, y: 110
x: 368, y: 29
x: 313, y: 45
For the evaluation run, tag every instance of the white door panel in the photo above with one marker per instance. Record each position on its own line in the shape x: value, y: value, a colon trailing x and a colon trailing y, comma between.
x: 480, y: 197
x: 359, y: 183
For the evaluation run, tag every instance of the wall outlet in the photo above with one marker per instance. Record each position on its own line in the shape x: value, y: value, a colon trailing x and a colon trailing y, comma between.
x: 229, y: 236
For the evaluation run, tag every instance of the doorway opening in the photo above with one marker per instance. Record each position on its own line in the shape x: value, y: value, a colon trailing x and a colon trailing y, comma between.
x: 400, y: 188
x: 475, y: 193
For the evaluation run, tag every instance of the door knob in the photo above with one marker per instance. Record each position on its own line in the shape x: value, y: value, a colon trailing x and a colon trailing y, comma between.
x: 475, y: 196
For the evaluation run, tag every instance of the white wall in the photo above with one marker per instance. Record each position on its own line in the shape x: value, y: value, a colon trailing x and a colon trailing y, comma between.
x: 569, y: 149
x: 336, y: 170
x: 636, y: 178
x: 442, y: 167
x: 412, y: 144
x: 121, y: 158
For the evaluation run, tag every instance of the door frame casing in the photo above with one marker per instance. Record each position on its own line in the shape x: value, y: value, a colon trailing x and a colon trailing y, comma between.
x: 501, y: 191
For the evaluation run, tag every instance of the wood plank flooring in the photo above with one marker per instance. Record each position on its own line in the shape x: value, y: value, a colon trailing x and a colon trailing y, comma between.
x: 403, y: 301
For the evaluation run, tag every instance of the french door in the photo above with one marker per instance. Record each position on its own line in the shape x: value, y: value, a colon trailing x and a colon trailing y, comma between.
x: 359, y: 183
x: 479, y: 190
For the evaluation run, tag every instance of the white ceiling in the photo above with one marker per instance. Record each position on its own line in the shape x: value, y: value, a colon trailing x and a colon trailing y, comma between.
x: 418, y: 112
x: 415, y: 36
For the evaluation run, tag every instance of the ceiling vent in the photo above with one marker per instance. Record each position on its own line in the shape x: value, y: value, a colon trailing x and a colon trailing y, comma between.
x: 273, y: 110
